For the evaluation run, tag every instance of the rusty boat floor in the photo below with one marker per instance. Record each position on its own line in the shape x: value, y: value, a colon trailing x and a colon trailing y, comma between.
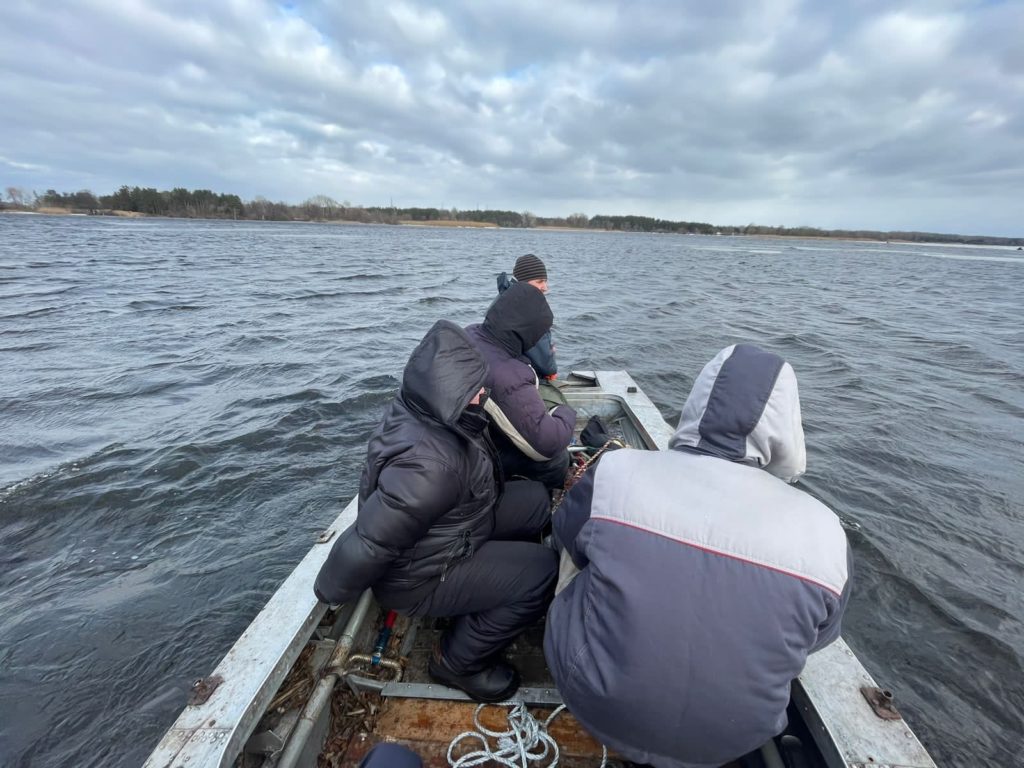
x: 363, y: 718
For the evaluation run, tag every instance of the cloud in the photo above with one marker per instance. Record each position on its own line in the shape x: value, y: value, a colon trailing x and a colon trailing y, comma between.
x: 867, y: 114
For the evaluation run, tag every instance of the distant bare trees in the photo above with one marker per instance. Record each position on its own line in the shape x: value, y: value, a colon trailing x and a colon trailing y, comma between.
x: 17, y: 196
x: 321, y: 207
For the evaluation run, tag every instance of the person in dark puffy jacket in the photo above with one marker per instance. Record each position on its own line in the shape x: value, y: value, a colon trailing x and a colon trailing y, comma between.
x: 530, y: 269
x: 437, y: 532
x: 531, y: 441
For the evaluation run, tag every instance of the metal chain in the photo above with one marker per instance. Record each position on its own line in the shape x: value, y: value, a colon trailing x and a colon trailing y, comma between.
x: 582, y: 469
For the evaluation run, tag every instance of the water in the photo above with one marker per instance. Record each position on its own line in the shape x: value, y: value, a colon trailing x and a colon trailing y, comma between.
x: 183, y: 405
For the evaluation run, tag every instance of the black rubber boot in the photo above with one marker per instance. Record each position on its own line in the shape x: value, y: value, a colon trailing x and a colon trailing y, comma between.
x: 490, y: 685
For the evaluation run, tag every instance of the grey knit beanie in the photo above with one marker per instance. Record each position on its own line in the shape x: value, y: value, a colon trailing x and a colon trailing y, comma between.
x: 529, y: 267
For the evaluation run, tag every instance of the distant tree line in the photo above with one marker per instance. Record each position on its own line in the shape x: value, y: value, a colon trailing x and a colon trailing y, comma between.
x: 206, y: 204
x: 647, y: 224
x: 196, y: 203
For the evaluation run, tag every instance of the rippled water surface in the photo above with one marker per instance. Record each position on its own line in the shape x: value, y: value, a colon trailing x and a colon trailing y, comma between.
x: 184, y: 404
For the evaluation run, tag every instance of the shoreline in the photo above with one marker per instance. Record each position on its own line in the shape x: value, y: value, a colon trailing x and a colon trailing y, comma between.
x: 448, y: 224
x: 454, y: 224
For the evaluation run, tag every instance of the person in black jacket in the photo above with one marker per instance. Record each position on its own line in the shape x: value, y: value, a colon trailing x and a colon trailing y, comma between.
x: 437, y: 532
x: 532, y: 440
x: 530, y: 269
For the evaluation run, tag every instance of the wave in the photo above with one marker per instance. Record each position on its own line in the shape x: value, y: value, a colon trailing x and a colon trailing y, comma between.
x: 38, y: 312
x: 970, y: 257
x: 1000, y: 404
x: 150, y: 305
x: 317, y: 295
x: 358, y: 276
x: 62, y: 469
x: 37, y: 347
x: 37, y: 294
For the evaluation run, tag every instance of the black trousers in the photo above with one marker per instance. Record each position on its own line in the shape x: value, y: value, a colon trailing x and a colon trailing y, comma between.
x: 514, y: 464
x: 503, y: 588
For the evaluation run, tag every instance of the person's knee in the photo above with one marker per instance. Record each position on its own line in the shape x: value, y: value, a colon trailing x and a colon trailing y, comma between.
x: 386, y: 755
x: 537, y: 498
x: 528, y: 493
x: 556, y: 470
x: 540, y: 572
x: 525, y: 510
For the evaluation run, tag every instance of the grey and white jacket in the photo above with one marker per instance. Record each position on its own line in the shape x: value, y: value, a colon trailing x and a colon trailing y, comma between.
x: 705, y: 581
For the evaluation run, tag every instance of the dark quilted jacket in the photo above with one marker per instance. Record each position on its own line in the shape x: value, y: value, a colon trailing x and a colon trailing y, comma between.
x: 429, y: 488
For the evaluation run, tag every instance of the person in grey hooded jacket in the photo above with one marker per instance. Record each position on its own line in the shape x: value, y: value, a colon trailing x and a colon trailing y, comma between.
x: 705, y: 579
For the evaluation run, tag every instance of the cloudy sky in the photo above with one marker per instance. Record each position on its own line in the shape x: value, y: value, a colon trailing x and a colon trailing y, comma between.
x: 855, y: 113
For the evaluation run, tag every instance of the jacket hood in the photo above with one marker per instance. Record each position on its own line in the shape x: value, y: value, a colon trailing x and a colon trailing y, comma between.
x: 518, y: 317
x: 745, y: 407
x: 443, y: 374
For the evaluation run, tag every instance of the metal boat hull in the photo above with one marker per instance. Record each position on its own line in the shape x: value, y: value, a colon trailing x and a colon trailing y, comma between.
x: 230, y: 720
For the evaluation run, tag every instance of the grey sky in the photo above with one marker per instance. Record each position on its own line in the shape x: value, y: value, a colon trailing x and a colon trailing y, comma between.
x: 859, y: 113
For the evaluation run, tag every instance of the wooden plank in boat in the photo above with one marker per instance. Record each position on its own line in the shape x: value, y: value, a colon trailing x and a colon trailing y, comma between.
x: 426, y: 721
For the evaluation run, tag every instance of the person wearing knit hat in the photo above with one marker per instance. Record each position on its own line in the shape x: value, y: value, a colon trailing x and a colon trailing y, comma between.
x: 530, y: 269
x: 531, y: 436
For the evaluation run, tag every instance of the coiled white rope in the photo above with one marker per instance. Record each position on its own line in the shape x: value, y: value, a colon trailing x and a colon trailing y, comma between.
x: 515, y: 747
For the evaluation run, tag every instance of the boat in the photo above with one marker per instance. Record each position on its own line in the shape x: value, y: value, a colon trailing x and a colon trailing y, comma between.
x: 307, y: 685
